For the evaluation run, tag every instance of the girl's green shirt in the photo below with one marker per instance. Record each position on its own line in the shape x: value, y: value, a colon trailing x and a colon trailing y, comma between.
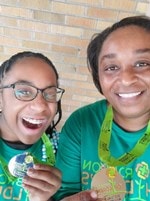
x: 13, y: 190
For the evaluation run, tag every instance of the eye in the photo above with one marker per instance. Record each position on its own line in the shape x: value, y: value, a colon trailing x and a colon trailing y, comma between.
x: 50, y: 97
x: 50, y: 94
x: 141, y: 64
x: 111, y: 68
x: 23, y: 92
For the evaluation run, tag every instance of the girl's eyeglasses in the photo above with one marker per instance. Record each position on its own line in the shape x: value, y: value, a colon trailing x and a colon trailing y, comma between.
x: 25, y: 92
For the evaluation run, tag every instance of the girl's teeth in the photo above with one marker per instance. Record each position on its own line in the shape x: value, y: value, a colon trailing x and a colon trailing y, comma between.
x: 33, y: 121
x: 129, y: 95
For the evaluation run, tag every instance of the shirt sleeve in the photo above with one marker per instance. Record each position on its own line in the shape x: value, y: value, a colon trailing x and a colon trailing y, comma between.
x: 68, y: 158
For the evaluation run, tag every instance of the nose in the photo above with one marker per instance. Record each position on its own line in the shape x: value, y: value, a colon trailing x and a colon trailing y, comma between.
x: 128, y: 77
x: 39, y: 104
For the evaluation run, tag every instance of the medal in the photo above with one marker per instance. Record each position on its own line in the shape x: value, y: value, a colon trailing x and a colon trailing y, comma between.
x: 109, y: 185
x: 19, y: 164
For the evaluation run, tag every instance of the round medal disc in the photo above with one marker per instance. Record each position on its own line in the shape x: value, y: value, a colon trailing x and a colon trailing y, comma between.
x: 109, y: 185
x: 19, y: 164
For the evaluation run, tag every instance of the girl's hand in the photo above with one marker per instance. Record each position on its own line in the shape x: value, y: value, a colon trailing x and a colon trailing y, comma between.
x: 42, y: 182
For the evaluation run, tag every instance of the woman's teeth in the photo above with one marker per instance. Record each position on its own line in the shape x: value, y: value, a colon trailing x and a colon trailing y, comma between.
x: 129, y: 95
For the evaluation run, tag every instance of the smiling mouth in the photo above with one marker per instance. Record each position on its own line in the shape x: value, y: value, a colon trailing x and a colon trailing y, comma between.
x: 32, y: 123
x: 129, y: 95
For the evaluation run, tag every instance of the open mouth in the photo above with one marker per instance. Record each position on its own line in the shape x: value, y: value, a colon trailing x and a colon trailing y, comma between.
x: 32, y: 123
x: 129, y: 95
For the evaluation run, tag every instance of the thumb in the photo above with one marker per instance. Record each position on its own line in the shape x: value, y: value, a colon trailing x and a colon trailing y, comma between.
x: 82, y: 196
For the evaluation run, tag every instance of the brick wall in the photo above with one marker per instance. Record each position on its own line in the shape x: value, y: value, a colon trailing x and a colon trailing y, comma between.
x: 61, y: 29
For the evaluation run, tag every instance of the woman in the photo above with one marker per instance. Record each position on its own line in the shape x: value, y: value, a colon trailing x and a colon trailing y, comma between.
x: 104, y: 146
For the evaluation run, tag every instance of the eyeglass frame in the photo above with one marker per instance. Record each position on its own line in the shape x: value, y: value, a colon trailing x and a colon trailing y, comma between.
x: 37, y: 91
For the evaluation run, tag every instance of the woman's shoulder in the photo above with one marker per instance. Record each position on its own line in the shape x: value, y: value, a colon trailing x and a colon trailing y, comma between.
x: 97, y: 106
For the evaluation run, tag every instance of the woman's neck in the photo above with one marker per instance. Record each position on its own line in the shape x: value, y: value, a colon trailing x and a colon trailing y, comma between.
x: 132, y: 124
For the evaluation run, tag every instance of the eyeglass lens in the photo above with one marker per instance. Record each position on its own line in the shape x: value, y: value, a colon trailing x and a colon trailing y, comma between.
x: 27, y: 92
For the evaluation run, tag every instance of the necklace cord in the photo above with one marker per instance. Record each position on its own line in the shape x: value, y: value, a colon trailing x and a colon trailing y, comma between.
x: 104, y: 143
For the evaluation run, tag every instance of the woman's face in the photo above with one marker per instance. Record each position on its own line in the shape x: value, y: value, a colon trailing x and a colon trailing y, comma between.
x: 124, y: 71
x: 26, y: 121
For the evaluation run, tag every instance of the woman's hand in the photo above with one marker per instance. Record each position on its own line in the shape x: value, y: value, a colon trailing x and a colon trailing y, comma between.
x: 42, y: 182
x: 83, y: 196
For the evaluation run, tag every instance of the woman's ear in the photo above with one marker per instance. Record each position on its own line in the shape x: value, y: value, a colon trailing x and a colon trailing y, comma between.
x: 0, y: 101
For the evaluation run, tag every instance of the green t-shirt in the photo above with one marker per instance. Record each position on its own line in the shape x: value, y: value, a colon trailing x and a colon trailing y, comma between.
x: 78, y: 158
x: 13, y: 190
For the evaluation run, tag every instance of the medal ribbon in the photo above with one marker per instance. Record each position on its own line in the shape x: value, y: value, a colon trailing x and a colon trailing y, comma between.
x: 49, y: 150
x: 104, y: 143
x: 49, y: 153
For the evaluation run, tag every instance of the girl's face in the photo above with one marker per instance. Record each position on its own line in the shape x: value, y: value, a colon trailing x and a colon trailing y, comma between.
x: 26, y: 121
x: 124, y: 72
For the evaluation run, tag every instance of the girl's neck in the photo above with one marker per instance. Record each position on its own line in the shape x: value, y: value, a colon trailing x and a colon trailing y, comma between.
x: 17, y: 145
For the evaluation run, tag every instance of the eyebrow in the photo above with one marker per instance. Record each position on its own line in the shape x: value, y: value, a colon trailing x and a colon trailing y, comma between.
x: 108, y: 56
x: 24, y: 82
x: 146, y: 50
x: 138, y: 51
